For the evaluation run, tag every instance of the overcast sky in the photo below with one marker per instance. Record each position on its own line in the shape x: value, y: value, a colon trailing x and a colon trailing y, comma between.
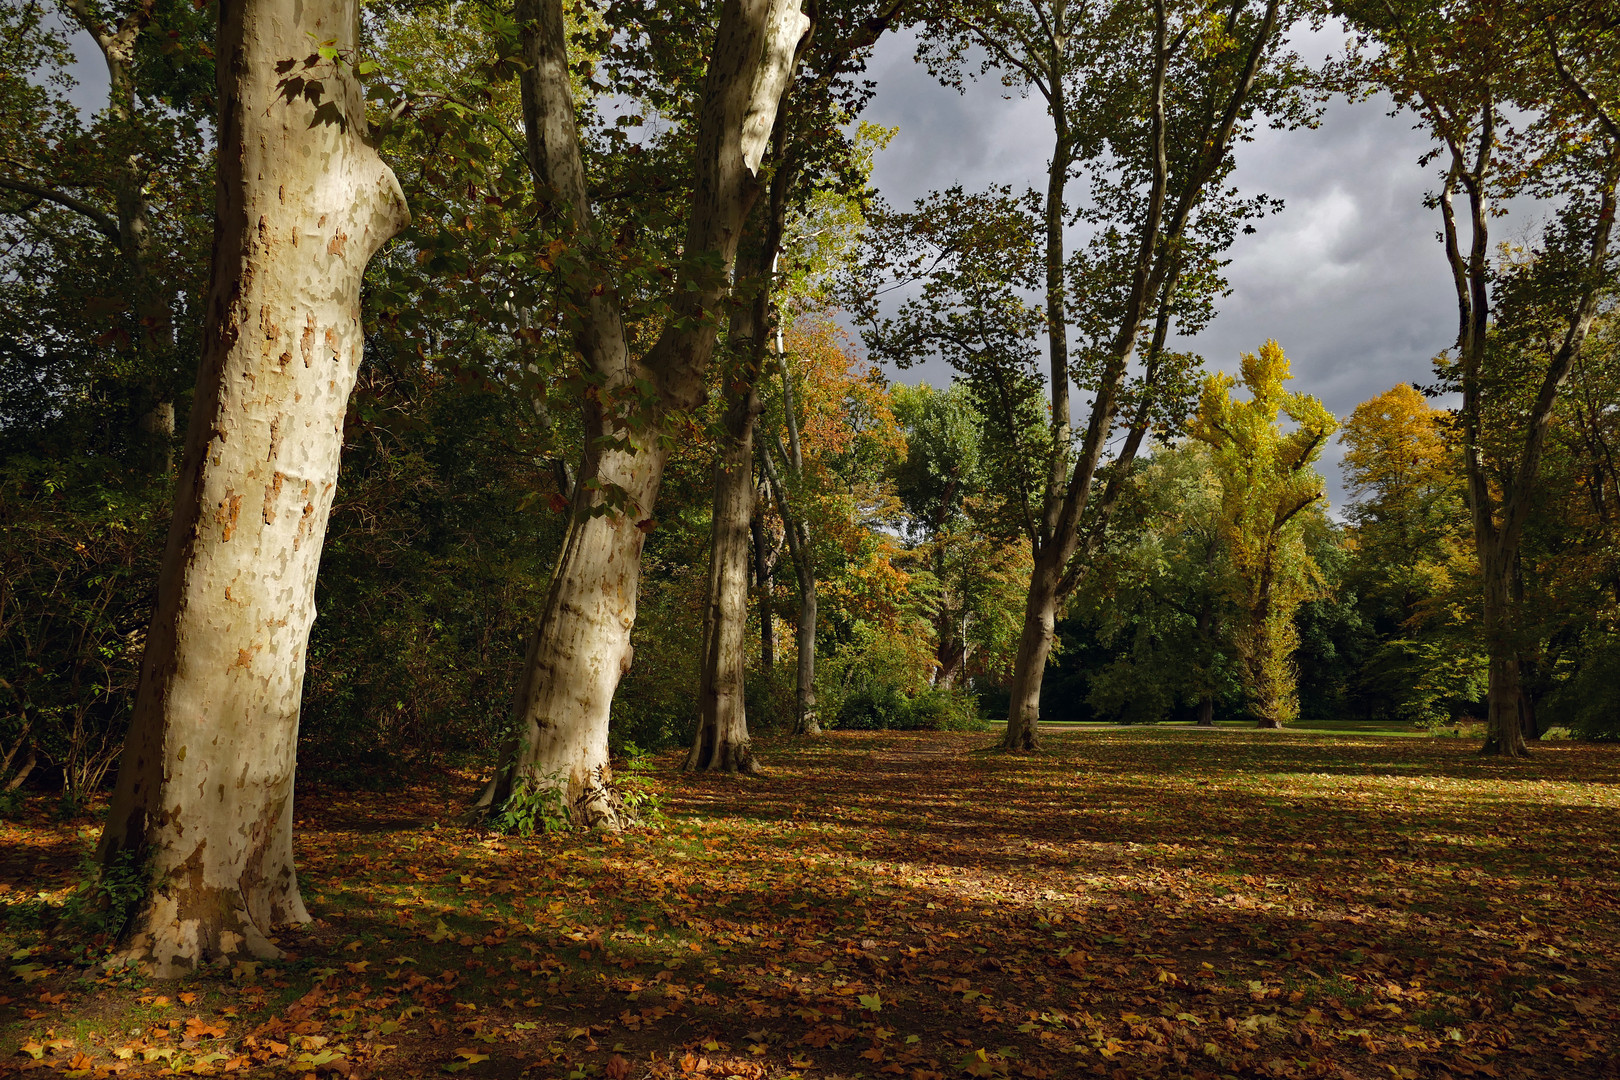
x: 1350, y: 277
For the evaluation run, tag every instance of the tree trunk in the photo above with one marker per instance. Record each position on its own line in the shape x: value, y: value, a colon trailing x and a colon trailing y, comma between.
x: 765, y: 582
x: 204, y: 799
x: 1034, y: 646
x: 1504, y: 732
x: 1206, y: 711
x: 951, y: 656
x: 580, y: 646
x: 806, y: 718
x: 721, y: 741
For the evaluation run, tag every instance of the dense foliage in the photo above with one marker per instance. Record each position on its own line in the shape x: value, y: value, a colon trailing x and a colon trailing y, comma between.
x: 1218, y: 586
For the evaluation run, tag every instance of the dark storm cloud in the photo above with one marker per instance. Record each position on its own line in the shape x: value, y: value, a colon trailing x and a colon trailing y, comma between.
x: 1349, y: 278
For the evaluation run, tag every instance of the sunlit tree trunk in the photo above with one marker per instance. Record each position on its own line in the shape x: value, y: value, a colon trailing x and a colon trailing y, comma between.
x: 806, y: 717
x: 204, y: 798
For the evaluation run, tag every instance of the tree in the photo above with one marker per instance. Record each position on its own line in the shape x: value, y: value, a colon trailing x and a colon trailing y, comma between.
x: 1267, y: 485
x: 1146, y: 104
x: 204, y: 799
x: 1520, y: 100
x: 826, y: 478
x: 1413, y: 559
x: 951, y: 523
x: 579, y: 648
x: 1161, y: 593
x: 812, y: 156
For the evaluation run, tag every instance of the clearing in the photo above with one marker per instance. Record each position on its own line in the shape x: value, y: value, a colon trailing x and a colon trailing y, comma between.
x: 1128, y: 903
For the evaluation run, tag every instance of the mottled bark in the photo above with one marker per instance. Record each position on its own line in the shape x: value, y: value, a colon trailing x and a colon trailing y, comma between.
x: 204, y: 797
x: 581, y: 645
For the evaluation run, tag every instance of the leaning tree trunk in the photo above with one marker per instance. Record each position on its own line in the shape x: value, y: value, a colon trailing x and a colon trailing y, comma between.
x: 204, y: 799
x: 580, y: 647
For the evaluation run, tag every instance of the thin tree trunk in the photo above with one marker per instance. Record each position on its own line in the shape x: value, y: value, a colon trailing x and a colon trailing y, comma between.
x: 806, y: 716
x: 204, y: 798
x: 806, y: 720
x: 581, y: 644
x: 721, y: 740
x: 1206, y: 710
x: 765, y: 582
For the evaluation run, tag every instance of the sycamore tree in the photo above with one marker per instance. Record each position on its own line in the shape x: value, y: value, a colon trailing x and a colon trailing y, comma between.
x: 204, y: 798
x: 816, y: 165
x: 1268, y: 489
x: 1146, y: 103
x: 1520, y: 100
x: 642, y: 378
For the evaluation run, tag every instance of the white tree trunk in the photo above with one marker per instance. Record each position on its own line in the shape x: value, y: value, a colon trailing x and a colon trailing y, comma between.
x: 204, y: 799
x: 580, y: 648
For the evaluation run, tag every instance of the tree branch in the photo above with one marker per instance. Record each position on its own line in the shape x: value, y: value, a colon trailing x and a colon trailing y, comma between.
x: 101, y: 221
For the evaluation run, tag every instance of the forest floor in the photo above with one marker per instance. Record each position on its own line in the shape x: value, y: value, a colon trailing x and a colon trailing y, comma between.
x: 1127, y: 903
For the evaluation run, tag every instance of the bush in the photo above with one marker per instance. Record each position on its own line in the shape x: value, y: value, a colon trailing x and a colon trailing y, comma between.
x: 877, y: 706
x: 882, y: 706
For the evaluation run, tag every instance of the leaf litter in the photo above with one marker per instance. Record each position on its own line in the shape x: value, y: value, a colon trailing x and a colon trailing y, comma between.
x: 1128, y: 903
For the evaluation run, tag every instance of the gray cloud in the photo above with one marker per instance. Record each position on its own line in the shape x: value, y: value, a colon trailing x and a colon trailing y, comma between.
x: 1349, y: 278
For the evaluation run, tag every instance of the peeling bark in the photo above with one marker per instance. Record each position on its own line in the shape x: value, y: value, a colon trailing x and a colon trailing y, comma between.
x: 204, y: 798
x: 581, y: 644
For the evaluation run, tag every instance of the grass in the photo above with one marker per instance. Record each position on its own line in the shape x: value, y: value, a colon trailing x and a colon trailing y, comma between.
x: 1131, y: 901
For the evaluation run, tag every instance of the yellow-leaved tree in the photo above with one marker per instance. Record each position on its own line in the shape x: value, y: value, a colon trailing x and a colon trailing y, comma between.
x: 1268, y: 486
